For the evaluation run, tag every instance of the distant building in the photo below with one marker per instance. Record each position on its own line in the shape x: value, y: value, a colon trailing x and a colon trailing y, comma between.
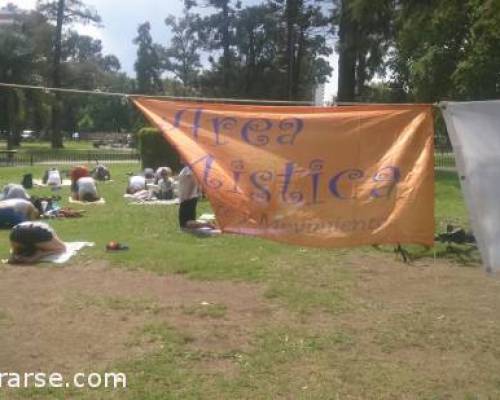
x: 319, y: 95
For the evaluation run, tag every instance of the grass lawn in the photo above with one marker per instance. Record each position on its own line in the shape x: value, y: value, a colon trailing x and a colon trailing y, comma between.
x: 278, y: 321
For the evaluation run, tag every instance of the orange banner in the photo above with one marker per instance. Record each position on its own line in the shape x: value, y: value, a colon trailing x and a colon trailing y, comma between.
x: 312, y: 176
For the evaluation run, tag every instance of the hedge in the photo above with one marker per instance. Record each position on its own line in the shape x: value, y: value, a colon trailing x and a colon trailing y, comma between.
x: 155, y: 150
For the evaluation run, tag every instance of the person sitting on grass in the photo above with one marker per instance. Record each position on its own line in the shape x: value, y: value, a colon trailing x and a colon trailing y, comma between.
x: 31, y: 241
x: 165, y: 184
x: 14, y: 191
x: 158, y: 173
x: 15, y: 211
x: 149, y: 174
x: 86, y: 189
x: 75, y: 174
x: 136, y: 183
x: 101, y: 173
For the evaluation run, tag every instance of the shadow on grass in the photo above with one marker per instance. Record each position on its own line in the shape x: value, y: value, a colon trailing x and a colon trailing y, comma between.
x: 462, y: 255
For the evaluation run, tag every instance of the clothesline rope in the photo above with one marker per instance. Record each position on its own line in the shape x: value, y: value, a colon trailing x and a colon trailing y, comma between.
x: 126, y: 95
x: 188, y: 98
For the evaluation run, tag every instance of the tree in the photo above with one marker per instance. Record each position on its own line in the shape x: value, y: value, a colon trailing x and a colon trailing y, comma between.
x: 183, y: 58
x: 365, y: 34
x: 16, y: 66
x: 448, y: 49
x: 305, y: 30
x: 148, y: 66
x: 63, y: 12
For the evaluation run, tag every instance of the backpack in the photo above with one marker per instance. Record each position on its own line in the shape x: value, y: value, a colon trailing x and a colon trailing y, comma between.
x: 27, y: 181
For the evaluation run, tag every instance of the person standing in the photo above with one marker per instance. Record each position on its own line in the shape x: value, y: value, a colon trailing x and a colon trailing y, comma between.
x: 189, y: 192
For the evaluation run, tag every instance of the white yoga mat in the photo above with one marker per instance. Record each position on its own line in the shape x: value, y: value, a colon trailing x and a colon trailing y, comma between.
x: 145, y: 202
x: 73, y: 201
x: 206, y: 217
x: 39, y: 183
x: 71, y: 249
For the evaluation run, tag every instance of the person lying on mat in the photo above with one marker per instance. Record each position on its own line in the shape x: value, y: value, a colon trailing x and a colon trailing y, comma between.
x: 136, y: 183
x: 75, y: 174
x: 15, y: 211
x: 14, y: 191
x: 30, y: 241
x: 86, y: 189
x: 101, y: 173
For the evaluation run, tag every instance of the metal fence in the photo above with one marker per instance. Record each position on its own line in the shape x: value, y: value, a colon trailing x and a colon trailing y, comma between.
x: 67, y: 157
x: 444, y: 158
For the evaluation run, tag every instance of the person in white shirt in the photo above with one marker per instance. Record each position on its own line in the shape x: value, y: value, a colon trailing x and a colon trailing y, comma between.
x: 54, y: 178
x: 135, y: 184
x: 159, y: 172
x: 14, y: 191
x: 15, y: 211
x: 86, y: 189
x: 189, y: 192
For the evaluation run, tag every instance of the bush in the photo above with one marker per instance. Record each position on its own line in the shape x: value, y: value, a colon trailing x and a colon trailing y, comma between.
x: 155, y: 150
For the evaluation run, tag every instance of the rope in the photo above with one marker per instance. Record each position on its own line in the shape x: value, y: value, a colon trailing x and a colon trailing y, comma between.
x: 361, y: 103
x: 126, y: 95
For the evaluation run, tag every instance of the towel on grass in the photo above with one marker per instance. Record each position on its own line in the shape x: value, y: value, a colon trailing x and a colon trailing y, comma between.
x: 39, y: 183
x: 203, y: 231
x: 100, y: 201
x: 71, y: 249
x: 206, y: 218
x: 144, y: 199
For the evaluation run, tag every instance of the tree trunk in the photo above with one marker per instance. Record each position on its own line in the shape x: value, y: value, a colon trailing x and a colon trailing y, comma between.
x: 226, y: 44
x: 347, y: 55
x: 10, y: 118
x: 297, y: 64
x: 360, y: 74
x: 290, y: 16
x: 56, y: 138
x: 250, y: 61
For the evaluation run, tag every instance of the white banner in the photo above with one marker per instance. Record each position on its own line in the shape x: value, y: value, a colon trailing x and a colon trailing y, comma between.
x: 474, y: 130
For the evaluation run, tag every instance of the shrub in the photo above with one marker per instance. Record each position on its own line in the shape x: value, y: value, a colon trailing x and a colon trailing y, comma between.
x: 155, y: 150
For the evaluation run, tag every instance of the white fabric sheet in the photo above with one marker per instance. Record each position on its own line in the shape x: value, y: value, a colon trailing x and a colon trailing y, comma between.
x: 474, y: 129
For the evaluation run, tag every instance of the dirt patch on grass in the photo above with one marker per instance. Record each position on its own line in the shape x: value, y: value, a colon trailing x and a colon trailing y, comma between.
x: 86, y: 317
x: 428, y: 330
x: 418, y: 330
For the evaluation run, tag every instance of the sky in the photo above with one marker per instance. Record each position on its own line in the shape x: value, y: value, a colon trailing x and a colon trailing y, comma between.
x: 120, y: 19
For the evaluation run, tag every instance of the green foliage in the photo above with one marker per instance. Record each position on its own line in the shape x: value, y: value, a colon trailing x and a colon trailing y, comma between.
x: 86, y: 123
x: 448, y: 49
x: 183, y: 55
x: 148, y: 65
x: 155, y: 150
x: 364, y: 30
